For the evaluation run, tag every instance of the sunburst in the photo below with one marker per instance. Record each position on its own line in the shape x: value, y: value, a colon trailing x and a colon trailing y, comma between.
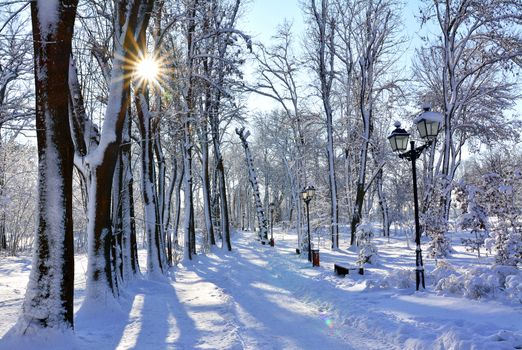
x: 149, y: 69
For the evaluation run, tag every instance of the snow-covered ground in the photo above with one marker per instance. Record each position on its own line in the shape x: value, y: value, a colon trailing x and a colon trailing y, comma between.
x: 259, y: 297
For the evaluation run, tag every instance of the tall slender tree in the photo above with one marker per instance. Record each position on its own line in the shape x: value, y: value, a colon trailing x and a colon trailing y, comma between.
x: 322, y: 54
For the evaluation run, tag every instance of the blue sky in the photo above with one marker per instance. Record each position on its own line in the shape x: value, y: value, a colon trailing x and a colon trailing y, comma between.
x: 263, y: 16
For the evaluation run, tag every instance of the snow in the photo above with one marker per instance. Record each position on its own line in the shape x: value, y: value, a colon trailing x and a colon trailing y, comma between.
x: 259, y: 297
x: 429, y: 116
x: 47, y: 16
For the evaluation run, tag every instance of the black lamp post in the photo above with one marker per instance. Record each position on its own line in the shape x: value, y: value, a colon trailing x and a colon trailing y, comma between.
x: 308, y: 194
x: 428, y: 124
x: 272, y: 206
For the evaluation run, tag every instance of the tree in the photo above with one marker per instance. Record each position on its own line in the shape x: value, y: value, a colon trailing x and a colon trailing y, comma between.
x: 261, y: 218
x: 493, y: 185
x: 278, y: 70
x: 152, y: 187
x: 96, y: 159
x: 48, y: 300
x: 322, y: 34
x: 376, y: 38
x: 468, y: 72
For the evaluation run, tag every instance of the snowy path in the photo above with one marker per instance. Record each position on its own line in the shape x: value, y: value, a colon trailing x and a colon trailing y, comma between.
x: 259, y: 297
x: 269, y: 305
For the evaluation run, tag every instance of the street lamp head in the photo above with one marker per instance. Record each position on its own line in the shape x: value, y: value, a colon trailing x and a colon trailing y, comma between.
x: 399, y: 138
x: 308, y: 193
x: 428, y: 123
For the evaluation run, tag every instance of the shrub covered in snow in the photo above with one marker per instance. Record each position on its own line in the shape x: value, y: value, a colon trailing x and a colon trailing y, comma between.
x: 474, y: 217
x: 494, y: 207
x: 434, y: 222
x: 436, y: 227
x: 368, y: 252
x: 502, y: 195
x: 478, y: 282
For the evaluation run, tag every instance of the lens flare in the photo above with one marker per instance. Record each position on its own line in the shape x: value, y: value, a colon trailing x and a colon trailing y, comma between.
x: 329, y: 323
x: 148, y: 69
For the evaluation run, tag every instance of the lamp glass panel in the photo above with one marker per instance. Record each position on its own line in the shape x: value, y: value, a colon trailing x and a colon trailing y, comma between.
x: 402, y: 142
x: 432, y: 128
x: 393, y: 143
x: 423, y: 128
x: 311, y: 192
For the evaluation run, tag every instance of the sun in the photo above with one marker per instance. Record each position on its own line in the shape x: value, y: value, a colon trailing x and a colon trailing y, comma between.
x: 148, y: 69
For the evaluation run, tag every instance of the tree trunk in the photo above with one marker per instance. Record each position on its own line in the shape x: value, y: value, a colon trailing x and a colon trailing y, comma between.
x: 3, y: 238
x: 129, y: 246
x: 49, y: 297
x: 263, y: 231
x: 178, y: 204
x: 150, y: 200
x: 205, y: 176
x: 167, y: 210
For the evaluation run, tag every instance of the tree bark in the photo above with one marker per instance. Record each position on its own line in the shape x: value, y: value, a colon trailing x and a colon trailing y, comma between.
x: 49, y: 297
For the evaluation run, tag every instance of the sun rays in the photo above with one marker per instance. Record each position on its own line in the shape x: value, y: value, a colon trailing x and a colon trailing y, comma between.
x: 148, y: 69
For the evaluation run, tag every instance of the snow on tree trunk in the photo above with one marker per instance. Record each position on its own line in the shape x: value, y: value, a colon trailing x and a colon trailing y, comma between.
x: 263, y: 231
x: 222, y: 189
x: 383, y: 202
x: 150, y: 200
x: 178, y: 205
x: 49, y: 296
x: 117, y: 241
x: 167, y: 210
x: 3, y: 238
x: 129, y: 246
x: 205, y: 177
x: 188, y: 217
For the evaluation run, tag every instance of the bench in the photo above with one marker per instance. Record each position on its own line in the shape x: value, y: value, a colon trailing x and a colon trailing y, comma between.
x: 345, y: 270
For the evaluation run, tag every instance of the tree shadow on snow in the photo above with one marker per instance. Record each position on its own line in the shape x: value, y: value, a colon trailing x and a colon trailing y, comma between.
x: 164, y: 321
x: 259, y: 302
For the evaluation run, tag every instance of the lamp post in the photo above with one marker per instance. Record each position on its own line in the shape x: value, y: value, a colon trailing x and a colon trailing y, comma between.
x: 272, y: 206
x: 308, y: 194
x: 428, y: 124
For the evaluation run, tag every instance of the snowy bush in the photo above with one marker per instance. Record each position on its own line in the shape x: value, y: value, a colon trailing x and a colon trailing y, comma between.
x: 474, y: 217
x: 368, y: 252
x: 478, y: 282
x: 436, y: 227
x: 501, y: 195
x: 397, y: 278
x: 435, y: 224
x: 513, y: 287
x: 492, y: 211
